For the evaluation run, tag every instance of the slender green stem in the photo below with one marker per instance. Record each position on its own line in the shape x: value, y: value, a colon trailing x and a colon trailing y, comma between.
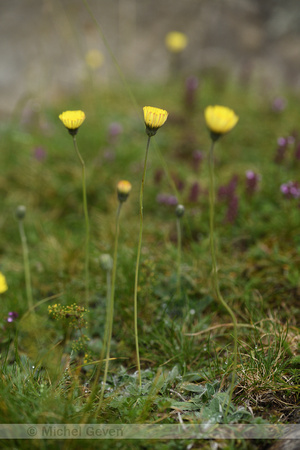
x: 111, y: 306
x: 138, y: 264
x: 107, y: 321
x: 87, y: 223
x: 26, y: 265
x: 215, y: 270
x: 178, y: 226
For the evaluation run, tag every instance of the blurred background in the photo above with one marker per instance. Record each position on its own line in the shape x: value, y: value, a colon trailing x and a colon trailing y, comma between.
x: 50, y: 48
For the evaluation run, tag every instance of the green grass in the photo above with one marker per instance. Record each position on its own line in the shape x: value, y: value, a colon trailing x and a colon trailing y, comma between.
x: 44, y: 378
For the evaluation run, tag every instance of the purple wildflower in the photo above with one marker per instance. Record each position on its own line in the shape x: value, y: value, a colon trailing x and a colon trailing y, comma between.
x: 227, y: 191
x: 252, y: 181
x: 232, y: 210
x: 279, y: 104
x: 39, y: 154
x: 179, y: 183
x: 114, y: 129
x: 281, y: 149
x: 197, y: 159
x: 12, y: 315
x: 282, y: 141
x: 290, y: 140
x: 191, y: 86
x: 166, y: 199
x: 109, y: 155
x: 194, y: 192
x: 297, y: 152
x: 290, y: 189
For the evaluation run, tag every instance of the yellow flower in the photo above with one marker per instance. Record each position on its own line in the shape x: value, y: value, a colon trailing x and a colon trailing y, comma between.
x: 220, y: 120
x: 154, y: 119
x: 3, y: 284
x: 123, y: 189
x: 94, y: 58
x: 72, y: 120
x: 176, y: 41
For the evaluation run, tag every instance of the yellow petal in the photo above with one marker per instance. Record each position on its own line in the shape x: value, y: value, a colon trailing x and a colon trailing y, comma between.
x: 154, y: 117
x: 220, y: 119
x: 3, y: 284
x: 124, y: 187
x: 72, y: 119
x: 176, y: 41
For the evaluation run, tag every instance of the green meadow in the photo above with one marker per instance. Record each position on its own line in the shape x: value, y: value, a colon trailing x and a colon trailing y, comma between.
x: 52, y: 340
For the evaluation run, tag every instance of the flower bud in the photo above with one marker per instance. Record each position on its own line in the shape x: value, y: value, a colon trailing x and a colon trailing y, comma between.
x: 154, y: 118
x: 123, y: 190
x: 106, y: 262
x: 21, y: 212
x: 219, y: 120
x: 179, y: 211
x: 72, y: 120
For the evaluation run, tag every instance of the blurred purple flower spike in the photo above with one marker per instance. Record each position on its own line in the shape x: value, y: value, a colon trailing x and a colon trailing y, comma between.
x: 290, y: 140
x: 194, y: 192
x: 115, y: 129
x: 166, y: 199
x: 228, y: 190
x: 279, y: 104
x: 282, y: 141
x: 191, y: 86
x: 297, y: 152
x: 12, y: 315
x: 281, y: 149
x: 109, y: 155
x: 39, y: 154
x: 197, y: 159
x: 252, y: 181
x: 232, y: 210
x: 290, y: 189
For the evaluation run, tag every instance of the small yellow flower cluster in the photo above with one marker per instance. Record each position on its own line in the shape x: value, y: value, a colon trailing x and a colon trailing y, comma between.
x: 73, y: 313
x: 80, y: 343
x: 3, y: 284
x: 87, y: 358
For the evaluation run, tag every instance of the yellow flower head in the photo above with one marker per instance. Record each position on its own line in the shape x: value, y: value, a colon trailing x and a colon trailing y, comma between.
x: 94, y: 58
x: 72, y: 120
x: 176, y: 41
x: 220, y: 120
x: 154, y: 119
x: 3, y: 284
x: 123, y: 189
